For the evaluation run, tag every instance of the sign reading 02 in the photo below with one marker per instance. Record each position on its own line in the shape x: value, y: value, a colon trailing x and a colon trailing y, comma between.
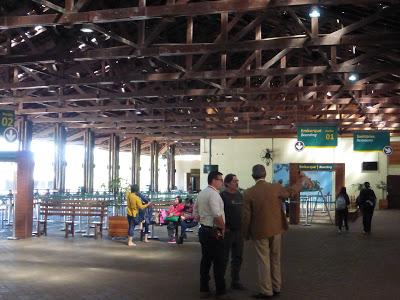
x: 321, y: 136
x: 7, y: 119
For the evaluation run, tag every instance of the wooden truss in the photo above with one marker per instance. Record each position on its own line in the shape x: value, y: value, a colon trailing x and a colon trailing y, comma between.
x: 180, y: 70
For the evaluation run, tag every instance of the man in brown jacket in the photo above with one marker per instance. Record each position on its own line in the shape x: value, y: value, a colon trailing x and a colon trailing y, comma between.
x: 264, y: 222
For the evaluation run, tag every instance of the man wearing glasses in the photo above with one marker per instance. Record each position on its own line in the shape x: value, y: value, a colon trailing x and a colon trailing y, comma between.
x: 209, y: 210
x: 233, y: 207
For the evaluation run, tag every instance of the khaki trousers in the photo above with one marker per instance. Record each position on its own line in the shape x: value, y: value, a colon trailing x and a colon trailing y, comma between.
x: 269, y: 264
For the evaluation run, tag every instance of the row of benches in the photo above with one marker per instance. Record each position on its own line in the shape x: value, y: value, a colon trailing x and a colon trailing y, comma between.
x: 72, y: 209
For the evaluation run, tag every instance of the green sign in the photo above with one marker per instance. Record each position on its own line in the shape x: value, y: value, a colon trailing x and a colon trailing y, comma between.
x: 322, y: 136
x: 370, y: 140
x: 7, y: 119
x: 316, y: 167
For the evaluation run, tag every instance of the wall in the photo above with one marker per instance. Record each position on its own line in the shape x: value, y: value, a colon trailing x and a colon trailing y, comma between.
x: 239, y: 155
x: 394, y: 169
x: 183, y: 165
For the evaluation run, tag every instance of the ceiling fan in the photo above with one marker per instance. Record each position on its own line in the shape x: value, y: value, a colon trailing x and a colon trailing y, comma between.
x: 266, y: 156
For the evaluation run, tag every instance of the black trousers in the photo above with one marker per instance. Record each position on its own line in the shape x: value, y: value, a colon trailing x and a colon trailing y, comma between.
x: 234, y: 250
x: 342, y: 218
x: 367, y: 213
x: 212, y: 253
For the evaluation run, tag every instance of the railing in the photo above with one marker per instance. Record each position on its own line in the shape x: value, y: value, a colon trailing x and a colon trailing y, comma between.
x: 320, y: 204
x: 114, y: 207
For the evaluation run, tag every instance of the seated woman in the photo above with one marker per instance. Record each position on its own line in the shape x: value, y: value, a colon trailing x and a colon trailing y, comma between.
x: 173, y: 216
x: 187, y: 219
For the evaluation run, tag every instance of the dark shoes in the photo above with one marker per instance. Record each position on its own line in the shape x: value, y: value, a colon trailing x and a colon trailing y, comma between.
x: 180, y: 240
x: 277, y: 293
x: 238, y: 286
x: 205, y: 295
x: 261, y: 296
x: 264, y: 296
x: 223, y: 297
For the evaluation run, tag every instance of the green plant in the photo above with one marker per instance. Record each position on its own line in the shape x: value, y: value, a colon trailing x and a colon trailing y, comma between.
x: 119, y: 187
x: 382, y: 186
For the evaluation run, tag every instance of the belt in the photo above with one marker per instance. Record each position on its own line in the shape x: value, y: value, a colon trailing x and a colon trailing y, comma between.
x: 205, y: 226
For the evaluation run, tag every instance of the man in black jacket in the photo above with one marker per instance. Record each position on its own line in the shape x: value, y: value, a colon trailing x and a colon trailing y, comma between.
x: 366, y: 201
x: 233, y: 206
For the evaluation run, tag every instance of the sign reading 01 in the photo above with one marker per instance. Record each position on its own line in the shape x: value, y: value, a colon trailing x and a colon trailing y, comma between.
x: 370, y: 140
x: 321, y: 136
x: 7, y: 119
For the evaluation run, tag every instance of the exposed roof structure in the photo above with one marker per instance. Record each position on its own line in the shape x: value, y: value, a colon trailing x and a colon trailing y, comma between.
x: 183, y: 70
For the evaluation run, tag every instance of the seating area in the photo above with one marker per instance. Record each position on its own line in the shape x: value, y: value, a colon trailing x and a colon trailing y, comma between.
x: 70, y: 210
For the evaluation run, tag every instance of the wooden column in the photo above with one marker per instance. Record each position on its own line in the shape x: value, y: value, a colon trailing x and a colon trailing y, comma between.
x: 340, y: 174
x: 25, y: 130
x: 113, y: 158
x: 135, y: 170
x: 24, y: 197
x: 88, y: 169
x: 60, y: 140
x: 154, y: 151
x: 171, y: 167
x: 294, y: 206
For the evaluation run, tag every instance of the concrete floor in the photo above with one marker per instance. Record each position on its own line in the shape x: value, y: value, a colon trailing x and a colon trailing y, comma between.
x: 317, y: 264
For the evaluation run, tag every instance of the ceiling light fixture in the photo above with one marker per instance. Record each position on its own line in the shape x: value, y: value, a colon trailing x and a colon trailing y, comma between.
x: 86, y: 29
x: 314, y: 13
x: 353, y: 77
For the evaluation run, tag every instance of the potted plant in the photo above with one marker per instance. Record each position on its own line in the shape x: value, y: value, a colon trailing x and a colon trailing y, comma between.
x: 118, y: 224
x: 383, y: 201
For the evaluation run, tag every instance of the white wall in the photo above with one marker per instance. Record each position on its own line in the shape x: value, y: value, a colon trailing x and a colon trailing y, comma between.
x: 183, y: 165
x: 239, y: 155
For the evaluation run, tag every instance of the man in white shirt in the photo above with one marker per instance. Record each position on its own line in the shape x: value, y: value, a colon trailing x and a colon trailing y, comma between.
x: 209, y: 210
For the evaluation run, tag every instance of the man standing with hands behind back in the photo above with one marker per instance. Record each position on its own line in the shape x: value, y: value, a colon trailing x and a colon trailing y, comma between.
x: 264, y: 222
x: 209, y: 211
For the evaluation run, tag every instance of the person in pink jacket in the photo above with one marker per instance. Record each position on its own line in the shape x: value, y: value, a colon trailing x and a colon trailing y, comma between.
x: 173, y: 216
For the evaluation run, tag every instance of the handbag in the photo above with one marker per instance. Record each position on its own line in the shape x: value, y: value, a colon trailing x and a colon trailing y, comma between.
x: 172, y: 219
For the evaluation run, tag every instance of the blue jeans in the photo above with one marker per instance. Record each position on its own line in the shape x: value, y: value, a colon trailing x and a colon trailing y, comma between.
x: 131, y: 225
x: 145, y: 227
x: 185, y: 225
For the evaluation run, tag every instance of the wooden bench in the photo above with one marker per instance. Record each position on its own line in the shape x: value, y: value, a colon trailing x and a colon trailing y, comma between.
x: 71, y: 209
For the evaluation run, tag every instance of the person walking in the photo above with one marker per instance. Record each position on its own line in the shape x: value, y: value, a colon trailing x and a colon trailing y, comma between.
x: 233, y: 207
x: 134, y: 203
x: 366, y: 201
x: 209, y: 211
x: 342, y: 203
x: 264, y: 222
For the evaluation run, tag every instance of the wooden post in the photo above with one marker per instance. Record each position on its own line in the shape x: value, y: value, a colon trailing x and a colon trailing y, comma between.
x: 24, y: 197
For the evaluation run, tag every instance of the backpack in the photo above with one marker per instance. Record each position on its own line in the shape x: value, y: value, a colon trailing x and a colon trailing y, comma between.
x: 341, y: 203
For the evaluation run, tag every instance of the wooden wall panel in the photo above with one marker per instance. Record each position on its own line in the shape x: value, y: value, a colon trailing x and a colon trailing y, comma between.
x: 394, y: 159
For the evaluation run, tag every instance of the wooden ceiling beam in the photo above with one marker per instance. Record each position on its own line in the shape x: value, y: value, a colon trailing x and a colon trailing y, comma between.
x: 151, y: 93
x: 291, y: 42
x: 129, y: 14
x: 205, y: 75
x: 395, y: 100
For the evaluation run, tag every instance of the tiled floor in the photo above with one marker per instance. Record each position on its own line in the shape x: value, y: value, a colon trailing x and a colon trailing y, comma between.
x: 317, y: 264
